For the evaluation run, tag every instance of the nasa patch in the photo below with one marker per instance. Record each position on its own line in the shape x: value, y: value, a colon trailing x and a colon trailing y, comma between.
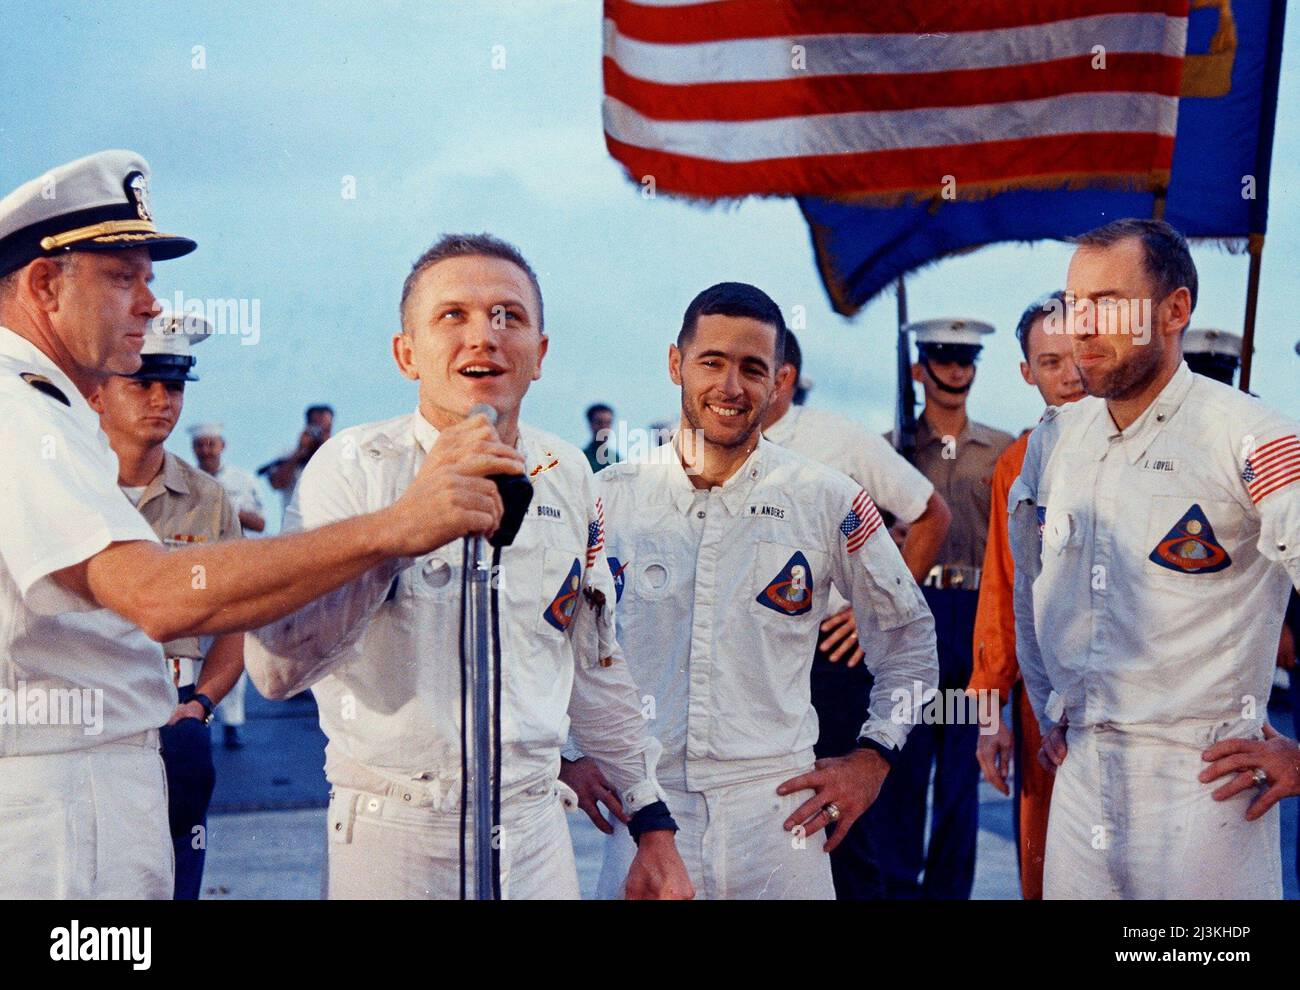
x: 617, y: 567
x: 791, y: 591
x: 1190, y: 547
x: 565, y: 603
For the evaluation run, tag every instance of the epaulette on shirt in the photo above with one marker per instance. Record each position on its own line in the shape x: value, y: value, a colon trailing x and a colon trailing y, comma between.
x: 43, y: 384
x: 619, y: 471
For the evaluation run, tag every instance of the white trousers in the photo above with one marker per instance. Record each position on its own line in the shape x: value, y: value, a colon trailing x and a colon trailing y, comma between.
x: 395, y: 846
x: 734, y: 847
x: 1129, y: 820
x: 90, y: 824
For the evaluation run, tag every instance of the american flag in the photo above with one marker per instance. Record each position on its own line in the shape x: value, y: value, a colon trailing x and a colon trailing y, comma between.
x: 596, y: 534
x: 861, y: 522
x: 881, y: 101
x: 1273, y: 465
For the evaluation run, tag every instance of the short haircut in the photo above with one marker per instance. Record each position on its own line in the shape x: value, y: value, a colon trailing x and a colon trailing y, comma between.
x: 1038, y: 309
x: 470, y: 246
x: 1166, y: 256
x: 9, y: 281
x: 598, y: 407
x: 793, y: 355
x: 735, y: 299
x: 312, y: 410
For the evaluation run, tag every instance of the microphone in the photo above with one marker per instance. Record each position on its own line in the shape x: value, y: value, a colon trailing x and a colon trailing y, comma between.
x: 516, y: 491
x: 483, y: 409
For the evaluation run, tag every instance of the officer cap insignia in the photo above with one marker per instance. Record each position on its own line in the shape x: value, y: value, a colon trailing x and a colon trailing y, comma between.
x: 1190, y: 547
x: 43, y: 384
x: 791, y: 591
x: 137, y: 189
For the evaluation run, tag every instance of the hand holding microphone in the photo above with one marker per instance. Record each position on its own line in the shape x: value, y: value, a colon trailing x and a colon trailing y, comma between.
x: 454, y: 494
x: 515, y: 491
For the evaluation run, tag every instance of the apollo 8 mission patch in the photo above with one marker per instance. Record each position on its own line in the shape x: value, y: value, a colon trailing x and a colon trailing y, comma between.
x: 1190, y: 547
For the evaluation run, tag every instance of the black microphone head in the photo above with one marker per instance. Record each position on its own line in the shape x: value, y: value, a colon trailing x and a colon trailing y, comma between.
x: 486, y: 410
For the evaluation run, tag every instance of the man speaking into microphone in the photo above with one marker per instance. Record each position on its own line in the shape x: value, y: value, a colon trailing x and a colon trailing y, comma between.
x: 385, y: 658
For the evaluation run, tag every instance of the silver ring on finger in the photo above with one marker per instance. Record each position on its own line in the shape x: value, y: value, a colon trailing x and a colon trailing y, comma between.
x: 832, y: 811
x: 1260, y: 776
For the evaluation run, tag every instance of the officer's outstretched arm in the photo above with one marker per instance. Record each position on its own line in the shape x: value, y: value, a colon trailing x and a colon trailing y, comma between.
x: 244, y: 584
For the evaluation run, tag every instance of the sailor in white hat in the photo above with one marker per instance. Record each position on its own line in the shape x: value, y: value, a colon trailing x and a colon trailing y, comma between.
x: 957, y: 455
x: 86, y: 592
x: 208, y: 442
x: 1213, y: 353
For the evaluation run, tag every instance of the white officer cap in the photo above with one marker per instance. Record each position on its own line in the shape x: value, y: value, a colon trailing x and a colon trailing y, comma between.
x: 207, y: 430
x: 97, y: 203
x: 1219, y: 343
x: 969, y: 333
x: 165, y: 356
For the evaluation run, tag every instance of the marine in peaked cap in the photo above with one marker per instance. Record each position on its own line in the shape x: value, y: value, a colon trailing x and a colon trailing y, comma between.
x: 957, y: 455
x: 166, y: 355
x: 1213, y: 353
x: 185, y: 507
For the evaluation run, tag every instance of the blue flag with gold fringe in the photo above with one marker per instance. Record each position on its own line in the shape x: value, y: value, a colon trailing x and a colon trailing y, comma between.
x: 1218, y: 184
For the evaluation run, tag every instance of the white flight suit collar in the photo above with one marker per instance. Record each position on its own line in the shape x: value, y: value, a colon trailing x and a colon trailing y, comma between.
x: 732, y: 493
x: 1138, y: 436
x: 426, y: 435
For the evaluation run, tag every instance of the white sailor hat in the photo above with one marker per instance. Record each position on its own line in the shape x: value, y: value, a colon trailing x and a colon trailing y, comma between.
x: 207, y: 430
x: 165, y: 356
x: 1219, y: 343
x: 97, y: 203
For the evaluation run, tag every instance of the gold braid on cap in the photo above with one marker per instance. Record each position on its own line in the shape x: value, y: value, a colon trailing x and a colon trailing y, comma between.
x: 108, y: 227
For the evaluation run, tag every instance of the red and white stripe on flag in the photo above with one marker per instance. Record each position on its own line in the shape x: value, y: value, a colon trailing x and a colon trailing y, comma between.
x: 882, y: 101
x: 1273, y: 465
x: 863, y: 520
x: 596, y: 534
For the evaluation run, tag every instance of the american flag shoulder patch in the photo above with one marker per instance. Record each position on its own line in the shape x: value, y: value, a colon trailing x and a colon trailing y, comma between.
x: 1272, y: 466
x: 863, y: 520
x: 596, y: 534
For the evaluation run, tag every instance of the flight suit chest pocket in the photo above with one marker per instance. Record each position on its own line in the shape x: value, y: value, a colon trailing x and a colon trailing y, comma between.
x: 560, y: 593
x: 1188, y: 537
x: 783, y: 580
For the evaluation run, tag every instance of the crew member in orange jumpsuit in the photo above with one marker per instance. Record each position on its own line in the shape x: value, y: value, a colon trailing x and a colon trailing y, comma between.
x: 1049, y: 366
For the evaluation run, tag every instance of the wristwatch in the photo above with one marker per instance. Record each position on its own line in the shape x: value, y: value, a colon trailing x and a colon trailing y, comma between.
x: 208, y: 706
x: 888, y: 753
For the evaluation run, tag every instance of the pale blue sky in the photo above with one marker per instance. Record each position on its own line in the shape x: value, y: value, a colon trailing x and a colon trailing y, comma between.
x: 250, y: 153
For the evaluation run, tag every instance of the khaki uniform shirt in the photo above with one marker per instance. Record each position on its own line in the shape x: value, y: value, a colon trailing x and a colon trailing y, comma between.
x: 186, y: 506
x: 963, y: 474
